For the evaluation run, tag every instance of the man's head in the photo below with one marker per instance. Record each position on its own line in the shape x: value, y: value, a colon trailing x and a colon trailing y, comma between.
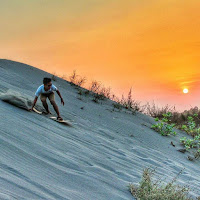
x: 47, y: 82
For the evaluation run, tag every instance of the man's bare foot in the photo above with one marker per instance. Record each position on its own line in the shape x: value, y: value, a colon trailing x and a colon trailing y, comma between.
x: 59, y: 118
x: 46, y: 113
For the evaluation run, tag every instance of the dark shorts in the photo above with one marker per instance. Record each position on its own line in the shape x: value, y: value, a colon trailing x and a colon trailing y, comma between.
x: 51, y: 96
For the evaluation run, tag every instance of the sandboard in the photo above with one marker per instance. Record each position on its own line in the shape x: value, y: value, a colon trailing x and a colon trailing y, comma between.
x: 37, y: 111
x: 64, y: 122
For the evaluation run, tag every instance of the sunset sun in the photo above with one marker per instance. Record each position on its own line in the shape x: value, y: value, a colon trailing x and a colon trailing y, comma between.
x: 185, y: 90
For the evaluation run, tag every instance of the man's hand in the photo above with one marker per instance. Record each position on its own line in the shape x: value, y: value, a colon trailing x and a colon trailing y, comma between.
x: 34, y: 102
x: 30, y: 109
x: 62, y: 101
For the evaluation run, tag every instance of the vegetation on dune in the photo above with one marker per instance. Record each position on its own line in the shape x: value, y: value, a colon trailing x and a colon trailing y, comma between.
x: 190, y: 127
x: 166, y: 117
x: 163, y: 127
x: 76, y: 79
x: 149, y: 189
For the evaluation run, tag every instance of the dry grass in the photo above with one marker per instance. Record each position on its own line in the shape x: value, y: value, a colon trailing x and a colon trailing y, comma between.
x: 178, y: 118
x: 95, y: 86
x: 151, y: 190
x: 131, y: 104
x: 76, y: 79
x: 154, y: 111
x: 54, y: 77
x: 100, y: 92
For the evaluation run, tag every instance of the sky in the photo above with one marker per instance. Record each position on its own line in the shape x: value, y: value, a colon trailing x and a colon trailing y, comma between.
x: 151, y: 46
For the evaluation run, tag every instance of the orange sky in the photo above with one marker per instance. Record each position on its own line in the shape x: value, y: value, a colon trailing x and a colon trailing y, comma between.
x: 149, y: 45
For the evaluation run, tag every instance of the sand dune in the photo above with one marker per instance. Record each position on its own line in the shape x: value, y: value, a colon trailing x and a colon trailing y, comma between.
x: 97, y: 159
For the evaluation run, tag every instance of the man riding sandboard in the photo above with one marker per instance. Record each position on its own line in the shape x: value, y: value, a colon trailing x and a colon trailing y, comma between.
x: 46, y: 90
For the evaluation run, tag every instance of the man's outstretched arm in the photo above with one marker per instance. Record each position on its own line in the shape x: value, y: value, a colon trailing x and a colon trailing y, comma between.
x: 62, y: 101
x: 34, y: 102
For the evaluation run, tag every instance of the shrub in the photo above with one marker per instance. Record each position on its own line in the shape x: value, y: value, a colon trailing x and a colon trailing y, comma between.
x: 73, y: 78
x: 163, y: 127
x: 189, y: 143
x: 192, y: 143
x: 130, y: 103
x: 81, y: 81
x: 154, y: 111
x: 97, y: 97
x: 117, y: 106
x: 182, y: 118
x: 76, y: 79
x: 54, y: 77
x: 95, y: 86
x: 149, y: 190
x: 191, y: 127
x: 99, y: 92
x: 106, y: 92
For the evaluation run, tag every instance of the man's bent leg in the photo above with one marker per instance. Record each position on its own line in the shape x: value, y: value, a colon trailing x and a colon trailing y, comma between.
x: 44, y: 102
x: 52, y: 101
x: 55, y: 107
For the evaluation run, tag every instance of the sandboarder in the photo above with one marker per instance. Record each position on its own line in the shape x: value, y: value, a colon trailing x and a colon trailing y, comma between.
x: 46, y: 90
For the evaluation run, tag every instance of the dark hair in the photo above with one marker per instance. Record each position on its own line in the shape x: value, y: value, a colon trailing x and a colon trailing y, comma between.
x: 46, y: 80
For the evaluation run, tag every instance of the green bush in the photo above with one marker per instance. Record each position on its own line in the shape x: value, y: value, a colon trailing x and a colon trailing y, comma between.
x: 163, y: 127
x: 191, y: 128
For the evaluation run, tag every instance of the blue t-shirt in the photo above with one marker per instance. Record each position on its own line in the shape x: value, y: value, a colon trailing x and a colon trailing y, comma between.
x: 41, y: 90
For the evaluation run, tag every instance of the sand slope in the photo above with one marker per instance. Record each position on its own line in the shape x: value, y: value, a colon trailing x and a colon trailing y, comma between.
x: 97, y: 159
